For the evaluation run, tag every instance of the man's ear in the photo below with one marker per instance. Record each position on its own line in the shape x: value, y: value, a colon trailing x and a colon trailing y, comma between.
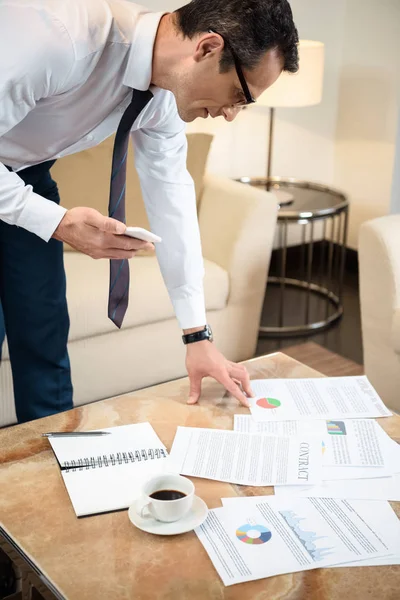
x: 207, y: 46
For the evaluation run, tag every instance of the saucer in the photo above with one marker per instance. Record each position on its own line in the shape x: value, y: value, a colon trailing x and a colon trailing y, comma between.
x: 195, y: 517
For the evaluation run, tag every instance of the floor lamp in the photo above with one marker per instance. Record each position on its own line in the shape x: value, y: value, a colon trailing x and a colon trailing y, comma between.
x: 303, y: 88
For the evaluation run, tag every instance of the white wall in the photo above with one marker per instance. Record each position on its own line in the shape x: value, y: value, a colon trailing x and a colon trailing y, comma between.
x: 347, y: 141
x: 163, y: 5
x: 368, y: 109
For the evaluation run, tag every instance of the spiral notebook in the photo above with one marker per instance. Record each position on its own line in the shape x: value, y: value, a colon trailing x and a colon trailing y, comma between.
x: 106, y: 473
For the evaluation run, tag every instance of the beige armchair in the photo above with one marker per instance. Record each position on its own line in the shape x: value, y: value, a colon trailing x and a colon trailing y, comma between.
x: 237, y: 225
x: 379, y: 258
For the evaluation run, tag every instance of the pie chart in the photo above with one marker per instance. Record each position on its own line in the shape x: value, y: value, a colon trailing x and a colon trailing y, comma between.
x: 253, y: 534
x: 268, y: 403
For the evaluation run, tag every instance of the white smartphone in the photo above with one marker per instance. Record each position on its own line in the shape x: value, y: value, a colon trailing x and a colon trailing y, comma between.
x: 142, y: 234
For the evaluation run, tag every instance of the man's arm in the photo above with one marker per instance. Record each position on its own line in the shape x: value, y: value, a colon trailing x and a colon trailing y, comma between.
x: 169, y: 195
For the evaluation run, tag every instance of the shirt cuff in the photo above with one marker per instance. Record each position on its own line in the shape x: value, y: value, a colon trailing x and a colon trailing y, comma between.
x: 40, y: 216
x: 190, y: 311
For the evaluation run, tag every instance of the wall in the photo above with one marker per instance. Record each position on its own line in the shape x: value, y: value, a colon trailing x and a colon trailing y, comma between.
x: 347, y: 141
x: 161, y: 5
x: 368, y: 109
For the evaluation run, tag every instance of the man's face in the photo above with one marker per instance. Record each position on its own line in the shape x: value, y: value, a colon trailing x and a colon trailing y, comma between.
x: 203, y: 91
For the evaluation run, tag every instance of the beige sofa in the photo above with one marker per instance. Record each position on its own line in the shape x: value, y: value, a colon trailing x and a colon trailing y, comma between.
x: 237, y: 228
x: 379, y: 258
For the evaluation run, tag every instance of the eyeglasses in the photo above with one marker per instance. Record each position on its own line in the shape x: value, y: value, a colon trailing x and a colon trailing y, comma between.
x: 239, y: 71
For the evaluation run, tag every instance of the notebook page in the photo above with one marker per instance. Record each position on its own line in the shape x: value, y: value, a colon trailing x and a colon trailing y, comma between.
x: 105, y: 489
x: 124, y: 438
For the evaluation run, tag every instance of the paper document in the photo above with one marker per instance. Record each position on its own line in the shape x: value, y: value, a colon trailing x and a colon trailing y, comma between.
x: 392, y: 559
x: 250, y: 539
x: 351, y: 442
x: 353, y: 473
x: 385, y: 488
x: 320, y: 398
x: 392, y: 465
x: 247, y: 424
x: 246, y: 458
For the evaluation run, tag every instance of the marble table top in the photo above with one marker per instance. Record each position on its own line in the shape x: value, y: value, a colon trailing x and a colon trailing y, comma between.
x: 105, y: 556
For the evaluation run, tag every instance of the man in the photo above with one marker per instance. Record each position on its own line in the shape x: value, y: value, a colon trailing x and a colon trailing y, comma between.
x: 67, y: 71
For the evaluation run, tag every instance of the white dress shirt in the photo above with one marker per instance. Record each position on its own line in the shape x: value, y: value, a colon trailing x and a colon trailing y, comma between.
x: 67, y: 69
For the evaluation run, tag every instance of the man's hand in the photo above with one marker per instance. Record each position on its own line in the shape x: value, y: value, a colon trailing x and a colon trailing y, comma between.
x: 203, y: 359
x: 90, y: 232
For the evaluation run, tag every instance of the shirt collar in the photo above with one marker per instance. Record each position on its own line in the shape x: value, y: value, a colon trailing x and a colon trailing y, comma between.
x: 139, y: 68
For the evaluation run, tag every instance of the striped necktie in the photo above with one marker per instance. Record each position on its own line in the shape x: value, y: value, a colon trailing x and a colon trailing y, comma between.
x: 119, y: 269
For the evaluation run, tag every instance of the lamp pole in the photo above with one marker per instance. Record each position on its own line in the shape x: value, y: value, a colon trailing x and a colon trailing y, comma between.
x: 271, y: 137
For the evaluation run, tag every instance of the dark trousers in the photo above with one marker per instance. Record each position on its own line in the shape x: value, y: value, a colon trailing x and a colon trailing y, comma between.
x: 33, y: 311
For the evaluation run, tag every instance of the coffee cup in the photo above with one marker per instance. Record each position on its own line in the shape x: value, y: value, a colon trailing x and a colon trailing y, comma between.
x: 166, y: 497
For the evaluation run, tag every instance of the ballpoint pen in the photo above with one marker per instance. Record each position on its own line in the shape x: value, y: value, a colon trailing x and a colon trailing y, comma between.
x: 74, y: 433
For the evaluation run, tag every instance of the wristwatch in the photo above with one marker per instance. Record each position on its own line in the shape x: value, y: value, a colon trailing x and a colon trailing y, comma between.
x: 198, y: 336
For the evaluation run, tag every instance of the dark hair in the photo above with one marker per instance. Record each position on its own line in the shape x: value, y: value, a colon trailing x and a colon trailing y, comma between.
x: 252, y: 27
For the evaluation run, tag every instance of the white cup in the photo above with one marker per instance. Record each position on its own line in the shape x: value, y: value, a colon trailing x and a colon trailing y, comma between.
x: 165, y: 510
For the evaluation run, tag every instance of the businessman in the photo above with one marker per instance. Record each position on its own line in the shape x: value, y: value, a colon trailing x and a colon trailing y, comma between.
x: 72, y: 73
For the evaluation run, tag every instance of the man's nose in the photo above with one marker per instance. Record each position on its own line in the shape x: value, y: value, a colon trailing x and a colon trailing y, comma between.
x: 230, y: 112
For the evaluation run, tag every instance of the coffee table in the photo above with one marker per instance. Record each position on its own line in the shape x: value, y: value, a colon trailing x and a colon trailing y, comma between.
x: 105, y: 557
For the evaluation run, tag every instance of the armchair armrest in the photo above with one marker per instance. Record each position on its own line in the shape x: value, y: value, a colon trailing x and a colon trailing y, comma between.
x: 237, y: 224
x: 379, y: 258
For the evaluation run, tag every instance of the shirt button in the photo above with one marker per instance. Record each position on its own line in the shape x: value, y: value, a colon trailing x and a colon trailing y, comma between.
x: 89, y: 138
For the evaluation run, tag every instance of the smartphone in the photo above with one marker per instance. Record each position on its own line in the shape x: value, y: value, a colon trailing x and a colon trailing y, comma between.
x: 142, y: 234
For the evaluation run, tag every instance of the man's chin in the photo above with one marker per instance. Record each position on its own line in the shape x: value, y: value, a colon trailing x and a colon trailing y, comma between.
x: 190, y: 115
x: 186, y: 115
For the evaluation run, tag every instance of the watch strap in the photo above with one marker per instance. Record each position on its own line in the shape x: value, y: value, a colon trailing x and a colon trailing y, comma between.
x: 197, y: 336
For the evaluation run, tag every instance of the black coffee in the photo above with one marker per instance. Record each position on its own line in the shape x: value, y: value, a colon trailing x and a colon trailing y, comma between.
x: 167, y: 495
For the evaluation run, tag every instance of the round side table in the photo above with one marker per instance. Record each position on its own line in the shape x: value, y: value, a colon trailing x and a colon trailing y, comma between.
x: 320, y: 279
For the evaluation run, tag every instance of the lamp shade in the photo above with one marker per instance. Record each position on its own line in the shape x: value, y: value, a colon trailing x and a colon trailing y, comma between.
x: 303, y: 88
